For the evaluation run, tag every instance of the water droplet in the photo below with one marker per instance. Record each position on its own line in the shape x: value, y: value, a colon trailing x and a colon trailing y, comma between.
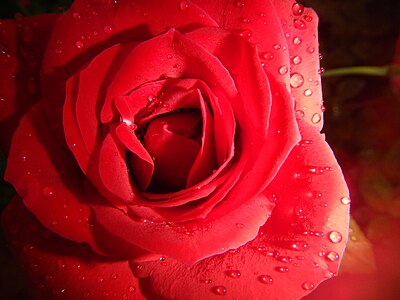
x: 48, y: 192
x: 80, y: 45
x: 310, y: 50
x: 297, y: 9
x: 323, y: 108
x: 282, y: 269
x: 297, y: 41
x: 240, y: 4
x: 335, y: 237
x: 307, y: 18
x: 321, y: 71
x: 283, y: 70
x: 239, y: 225
x: 345, y: 200
x: 299, y: 24
x: 265, y: 279
x: 277, y: 47
x: 267, y: 55
x: 299, y: 246
x: 245, y: 20
x: 233, y: 274
x: 114, y: 276
x: 184, y: 5
x: 55, y: 223
x: 151, y: 98
x: 246, y: 34
x: 299, y: 114
x: 60, y: 264
x: 131, y: 289
x: 219, y: 290
x: 107, y: 29
x: 332, y: 256
x: 308, y: 93
x: 76, y: 15
x: 308, y: 286
x: 99, y: 279
x: 296, y: 60
x: 296, y: 80
x: 86, y: 294
x: 82, y: 277
x: 316, y: 118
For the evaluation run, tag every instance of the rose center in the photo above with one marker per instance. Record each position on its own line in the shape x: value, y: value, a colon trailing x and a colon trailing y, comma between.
x: 173, y: 140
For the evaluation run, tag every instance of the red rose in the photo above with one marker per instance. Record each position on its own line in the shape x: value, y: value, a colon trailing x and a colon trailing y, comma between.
x: 171, y: 151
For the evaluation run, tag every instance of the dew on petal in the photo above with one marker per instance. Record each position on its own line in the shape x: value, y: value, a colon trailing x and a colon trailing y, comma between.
x: 76, y: 15
x: 308, y: 93
x: 282, y: 269
x: 48, y: 192
x: 345, y: 200
x: 297, y: 41
x: 246, y: 34
x: 296, y: 60
x: 107, y: 29
x: 80, y: 45
x: 297, y: 9
x: 316, y: 118
x: 233, y: 274
x: 219, y: 290
x: 296, y: 80
x: 299, y: 24
x: 60, y: 264
x: 277, y: 47
x: 299, y: 114
x: 267, y: 56
x: 332, y: 256
x: 308, y: 286
x: 184, y: 5
x: 131, y: 288
x: 265, y: 279
x: 99, y: 279
x: 310, y: 50
x: 283, y: 70
x: 240, y: 4
x: 335, y: 237
x: 308, y: 18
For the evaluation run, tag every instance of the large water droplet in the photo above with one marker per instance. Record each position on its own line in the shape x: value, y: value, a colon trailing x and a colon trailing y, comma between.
x: 316, y: 118
x: 265, y: 279
x: 219, y: 290
x: 233, y: 274
x: 283, y: 70
x: 345, y: 200
x: 307, y: 93
x: 297, y: 9
x: 296, y: 80
x: 296, y: 60
x: 335, y: 237
x: 297, y: 41
x: 332, y: 256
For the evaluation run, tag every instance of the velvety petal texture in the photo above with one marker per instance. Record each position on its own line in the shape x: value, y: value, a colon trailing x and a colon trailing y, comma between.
x: 175, y: 153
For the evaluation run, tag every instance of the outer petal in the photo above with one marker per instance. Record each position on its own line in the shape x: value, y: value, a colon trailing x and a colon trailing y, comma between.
x: 294, y: 251
x: 58, y: 269
x: 22, y: 45
x: 300, y: 27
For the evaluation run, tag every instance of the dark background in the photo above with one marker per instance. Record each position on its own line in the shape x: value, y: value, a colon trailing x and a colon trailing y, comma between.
x: 362, y: 118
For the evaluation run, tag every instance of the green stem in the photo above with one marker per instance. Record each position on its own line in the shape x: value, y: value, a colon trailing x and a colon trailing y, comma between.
x: 364, y: 70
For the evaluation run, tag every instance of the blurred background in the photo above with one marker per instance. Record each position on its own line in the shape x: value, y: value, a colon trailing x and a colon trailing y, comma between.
x: 362, y: 123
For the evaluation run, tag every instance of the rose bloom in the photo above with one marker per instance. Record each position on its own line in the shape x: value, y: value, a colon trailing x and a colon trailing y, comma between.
x: 169, y: 150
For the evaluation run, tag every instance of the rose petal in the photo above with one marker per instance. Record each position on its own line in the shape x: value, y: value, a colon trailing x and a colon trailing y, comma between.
x: 22, y: 45
x: 57, y: 268
x: 295, y: 250
x: 106, y: 22
x: 301, y: 32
